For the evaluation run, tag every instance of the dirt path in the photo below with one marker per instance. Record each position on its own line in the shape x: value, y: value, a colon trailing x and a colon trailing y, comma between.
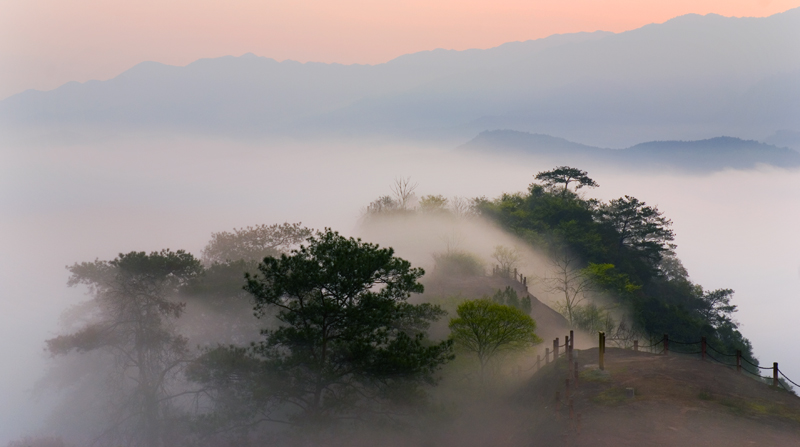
x: 678, y: 401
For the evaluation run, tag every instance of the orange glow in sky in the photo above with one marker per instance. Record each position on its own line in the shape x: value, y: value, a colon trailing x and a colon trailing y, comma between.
x: 45, y: 43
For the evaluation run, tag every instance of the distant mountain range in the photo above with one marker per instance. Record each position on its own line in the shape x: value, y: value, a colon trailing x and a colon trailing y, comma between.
x: 689, y: 78
x: 704, y: 155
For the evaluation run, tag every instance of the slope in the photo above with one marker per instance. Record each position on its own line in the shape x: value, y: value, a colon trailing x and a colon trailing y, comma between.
x: 678, y: 400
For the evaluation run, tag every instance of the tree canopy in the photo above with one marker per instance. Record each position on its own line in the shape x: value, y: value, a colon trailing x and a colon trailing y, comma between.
x: 254, y: 243
x: 487, y: 328
x: 564, y: 175
x: 624, y: 249
x: 132, y: 298
x: 347, y: 337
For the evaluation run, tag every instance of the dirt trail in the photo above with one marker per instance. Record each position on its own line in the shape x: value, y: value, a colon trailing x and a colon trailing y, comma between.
x: 678, y: 401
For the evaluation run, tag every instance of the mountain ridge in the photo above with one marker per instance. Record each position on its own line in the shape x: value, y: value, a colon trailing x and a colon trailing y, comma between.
x: 708, y: 154
x: 687, y: 77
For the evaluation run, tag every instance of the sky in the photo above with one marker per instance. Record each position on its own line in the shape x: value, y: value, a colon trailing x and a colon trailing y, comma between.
x: 46, y: 43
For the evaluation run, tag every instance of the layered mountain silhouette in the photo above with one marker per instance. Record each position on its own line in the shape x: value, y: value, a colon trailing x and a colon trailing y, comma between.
x: 703, y: 155
x: 688, y: 78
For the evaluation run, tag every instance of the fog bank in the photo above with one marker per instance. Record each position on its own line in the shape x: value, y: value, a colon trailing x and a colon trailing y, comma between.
x: 60, y: 205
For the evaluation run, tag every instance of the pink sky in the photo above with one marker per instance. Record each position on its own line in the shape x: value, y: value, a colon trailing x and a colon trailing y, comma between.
x: 45, y: 43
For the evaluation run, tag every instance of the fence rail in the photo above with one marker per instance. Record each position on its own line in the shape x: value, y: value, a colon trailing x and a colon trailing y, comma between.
x: 704, y: 347
x: 509, y: 273
x: 570, y: 384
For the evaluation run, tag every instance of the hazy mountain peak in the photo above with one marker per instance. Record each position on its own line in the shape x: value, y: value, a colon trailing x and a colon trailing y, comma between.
x: 687, y: 78
x: 712, y: 154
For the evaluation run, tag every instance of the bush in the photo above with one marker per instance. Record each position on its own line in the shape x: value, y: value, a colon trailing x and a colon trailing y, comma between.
x: 458, y: 263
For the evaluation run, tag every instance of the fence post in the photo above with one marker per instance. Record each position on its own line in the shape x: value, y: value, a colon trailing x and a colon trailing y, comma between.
x: 666, y: 344
x: 555, y: 349
x: 575, y: 368
x: 546, y: 356
x: 703, y: 347
x: 775, y: 374
x: 602, y: 349
x: 636, y: 345
x: 571, y: 339
x: 567, y: 351
x: 738, y: 360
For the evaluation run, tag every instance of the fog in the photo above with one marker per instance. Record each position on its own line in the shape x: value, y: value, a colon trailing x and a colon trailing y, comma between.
x: 66, y: 204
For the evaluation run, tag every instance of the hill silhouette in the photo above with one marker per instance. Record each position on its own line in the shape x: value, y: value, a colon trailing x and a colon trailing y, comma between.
x: 702, y: 155
x: 682, y: 79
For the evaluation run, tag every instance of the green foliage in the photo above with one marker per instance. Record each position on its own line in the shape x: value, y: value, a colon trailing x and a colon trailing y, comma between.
x: 638, y: 228
x: 509, y: 297
x: 433, y: 204
x: 223, y: 310
x: 458, y: 263
x: 623, y: 248
x: 347, y: 341
x: 716, y: 308
x: 487, y: 328
x: 592, y: 318
x: 605, y: 277
x: 564, y: 175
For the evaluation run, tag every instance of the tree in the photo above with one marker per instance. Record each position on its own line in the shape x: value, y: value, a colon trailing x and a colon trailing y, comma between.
x: 488, y: 328
x: 454, y: 262
x: 401, y: 200
x: 403, y: 191
x: 571, y: 283
x: 461, y: 207
x: 507, y: 258
x: 592, y: 319
x: 254, y: 243
x: 431, y: 204
x: 509, y: 297
x: 347, y: 337
x: 565, y: 175
x: 716, y: 308
x: 133, y: 311
x: 381, y: 205
x: 639, y: 228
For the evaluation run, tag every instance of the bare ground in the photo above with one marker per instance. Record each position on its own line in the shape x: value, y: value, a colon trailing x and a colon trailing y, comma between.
x: 678, y: 401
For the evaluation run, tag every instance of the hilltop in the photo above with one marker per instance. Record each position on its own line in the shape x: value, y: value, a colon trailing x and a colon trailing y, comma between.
x: 678, y: 400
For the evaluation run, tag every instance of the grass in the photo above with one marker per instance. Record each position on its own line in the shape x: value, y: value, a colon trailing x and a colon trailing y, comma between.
x: 705, y: 395
x: 595, y: 375
x: 611, y: 397
x: 750, y: 407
